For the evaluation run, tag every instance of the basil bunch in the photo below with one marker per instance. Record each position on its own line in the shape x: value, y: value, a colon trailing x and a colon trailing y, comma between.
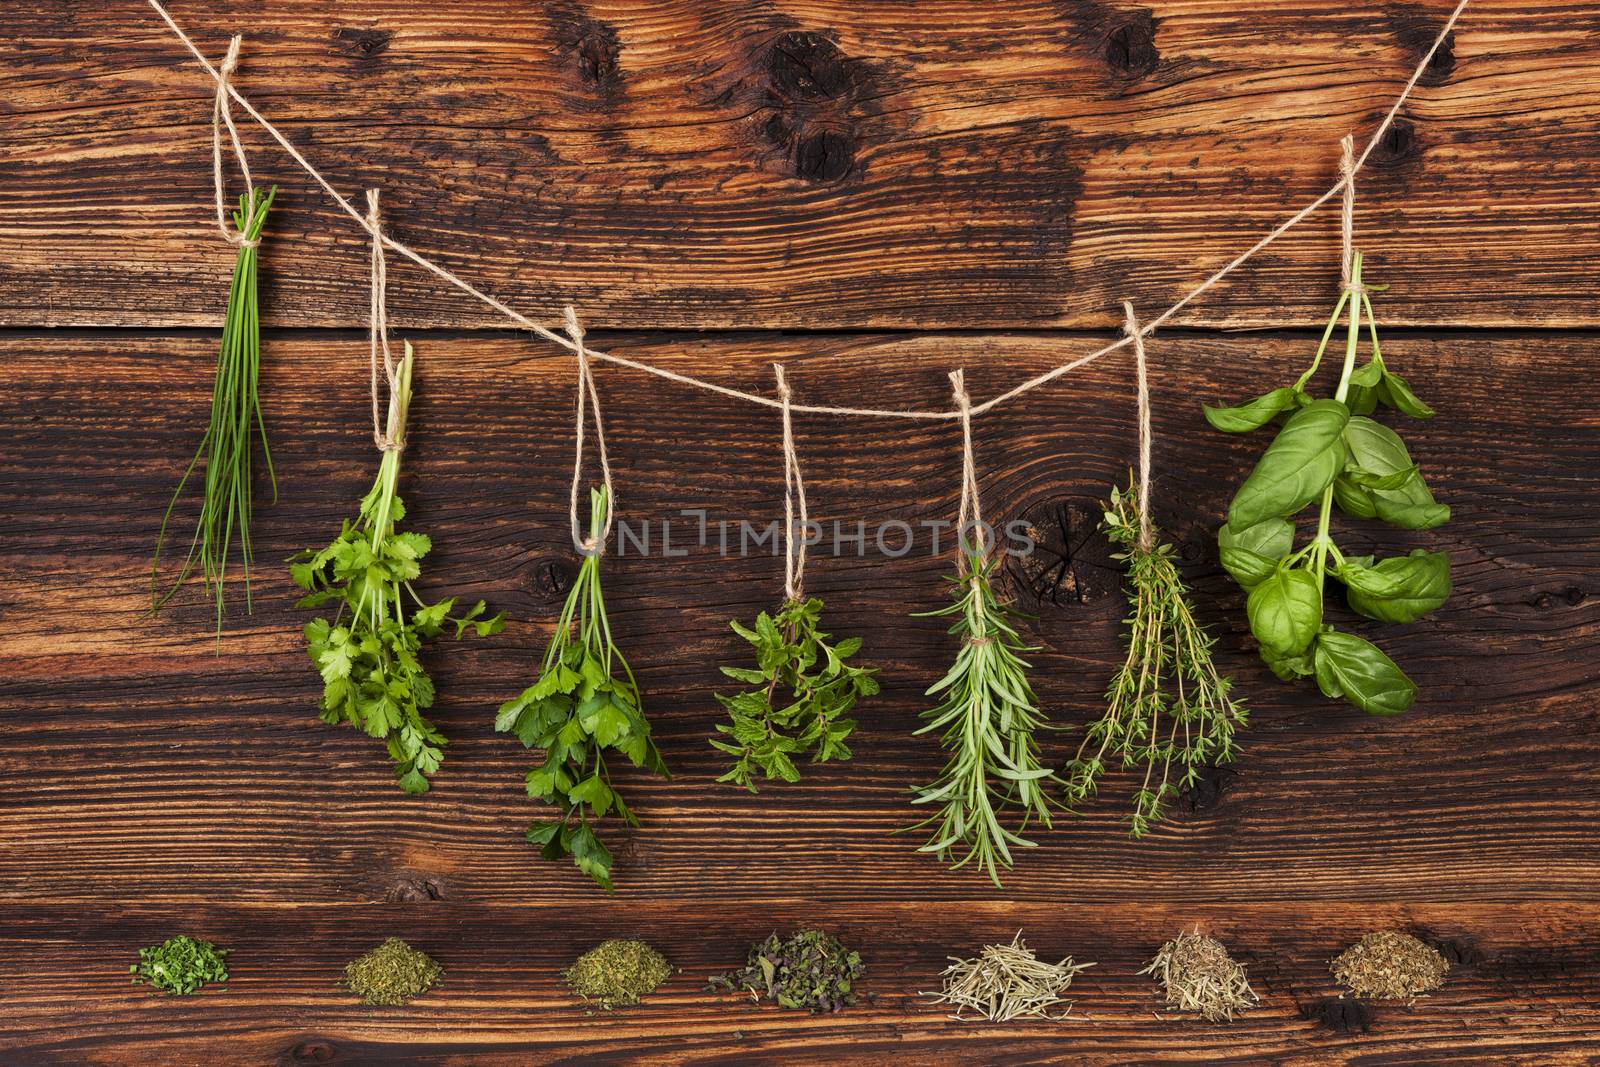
x: 1331, y: 452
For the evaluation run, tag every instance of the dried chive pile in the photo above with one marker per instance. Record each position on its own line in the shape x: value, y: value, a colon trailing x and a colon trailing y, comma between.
x: 1198, y: 975
x: 392, y: 974
x: 180, y: 965
x: 1389, y: 965
x: 811, y: 971
x: 617, y: 973
x: 1007, y: 982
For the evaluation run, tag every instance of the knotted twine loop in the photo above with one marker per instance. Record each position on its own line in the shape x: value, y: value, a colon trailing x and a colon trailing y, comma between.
x: 1131, y: 327
x: 222, y: 114
x: 794, y: 491
x: 588, y: 544
x: 378, y: 331
x: 1347, y: 219
x: 971, y: 512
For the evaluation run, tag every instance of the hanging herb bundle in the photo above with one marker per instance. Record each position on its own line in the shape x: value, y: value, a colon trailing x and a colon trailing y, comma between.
x: 802, y: 691
x: 1166, y: 704
x: 579, y: 708
x: 227, y: 449
x: 810, y: 971
x: 1332, y: 453
x: 368, y: 652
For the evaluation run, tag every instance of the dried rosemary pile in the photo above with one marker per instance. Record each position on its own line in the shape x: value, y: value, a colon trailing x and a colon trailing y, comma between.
x: 392, y: 974
x: 1198, y: 975
x: 1006, y: 982
x: 617, y: 973
x: 1389, y: 965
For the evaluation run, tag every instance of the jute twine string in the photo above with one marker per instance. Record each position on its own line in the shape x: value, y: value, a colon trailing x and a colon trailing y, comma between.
x: 1147, y: 540
x: 1347, y: 218
x: 224, y: 88
x: 794, y: 495
x: 222, y: 115
x: 378, y: 332
x: 588, y: 544
x: 970, y: 515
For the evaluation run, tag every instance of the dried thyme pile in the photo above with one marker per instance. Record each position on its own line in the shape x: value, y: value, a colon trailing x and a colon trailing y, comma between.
x: 811, y: 971
x: 1198, y: 975
x: 617, y: 973
x: 1007, y: 982
x: 180, y: 965
x: 1390, y: 966
x: 391, y: 974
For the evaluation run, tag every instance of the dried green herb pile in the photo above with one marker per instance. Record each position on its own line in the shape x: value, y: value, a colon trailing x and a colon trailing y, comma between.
x: 617, y: 973
x: 1198, y: 975
x: 1006, y: 982
x: 180, y: 965
x: 1389, y: 965
x: 810, y: 971
x: 392, y: 974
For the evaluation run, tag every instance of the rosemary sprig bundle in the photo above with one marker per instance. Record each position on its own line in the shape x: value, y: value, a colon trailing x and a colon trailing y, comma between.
x: 801, y: 692
x: 368, y: 653
x: 579, y: 708
x: 226, y: 450
x: 1166, y: 704
x: 986, y: 719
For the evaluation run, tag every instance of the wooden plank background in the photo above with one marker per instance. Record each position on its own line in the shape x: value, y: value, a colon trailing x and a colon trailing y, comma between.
x: 870, y: 195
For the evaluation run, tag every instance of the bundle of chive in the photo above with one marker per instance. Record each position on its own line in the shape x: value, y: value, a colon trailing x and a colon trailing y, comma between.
x: 226, y: 449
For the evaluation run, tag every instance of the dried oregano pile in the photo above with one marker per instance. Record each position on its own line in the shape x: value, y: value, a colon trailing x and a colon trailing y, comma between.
x: 1008, y: 981
x: 617, y: 973
x: 810, y: 971
x: 392, y: 974
x: 180, y: 965
x: 1198, y: 975
x: 1389, y: 965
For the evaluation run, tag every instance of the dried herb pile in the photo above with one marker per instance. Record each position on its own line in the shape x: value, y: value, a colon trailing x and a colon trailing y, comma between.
x: 1389, y: 965
x: 810, y: 971
x: 1198, y: 975
x: 1006, y: 982
x: 617, y: 973
x: 392, y: 974
x: 180, y: 965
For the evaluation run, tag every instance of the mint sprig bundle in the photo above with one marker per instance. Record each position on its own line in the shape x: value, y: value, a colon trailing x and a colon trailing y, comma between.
x: 584, y: 704
x: 1332, y: 453
x: 368, y: 653
x: 801, y: 692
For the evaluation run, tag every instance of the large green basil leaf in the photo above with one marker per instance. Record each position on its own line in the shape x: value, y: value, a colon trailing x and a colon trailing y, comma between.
x: 1285, y: 611
x: 1374, y: 447
x: 1251, y: 555
x: 1358, y: 671
x: 1382, y: 482
x: 1253, y: 414
x: 1301, y: 462
x: 1396, y: 392
x: 1400, y: 589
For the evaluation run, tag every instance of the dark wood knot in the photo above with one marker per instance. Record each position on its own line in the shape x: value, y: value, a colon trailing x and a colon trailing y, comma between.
x: 360, y: 42
x: 804, y: 65
x: 1130, y: 48
x: 1341, y: 1015
x: 552, y: 577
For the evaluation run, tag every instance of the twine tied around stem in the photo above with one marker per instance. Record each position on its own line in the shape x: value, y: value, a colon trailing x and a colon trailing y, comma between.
x: 970, y: 514
x: 1130, y: 326
x: 393, y: 439
x: 222, y: 115
x: 1347, y: 218
x: 588, y: 544
x: 794, y: 493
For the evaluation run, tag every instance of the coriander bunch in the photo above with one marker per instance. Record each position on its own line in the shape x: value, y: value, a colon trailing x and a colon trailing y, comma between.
x: 986, y: 719
x: 1167, y: 704
x: 801, y: 692
x: 227, y: 448
x: 1330, y: 453
x: 368, y: 652
x: 579, y: 708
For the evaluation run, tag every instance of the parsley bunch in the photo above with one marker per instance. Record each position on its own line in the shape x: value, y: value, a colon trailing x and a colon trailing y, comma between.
x: 368, y: 654
x: 579, y: 708
x: 802, y: 691
x: 1166, y: 704
x: 180, y: 965
x: 1332, y: 453
x: 986, y: 719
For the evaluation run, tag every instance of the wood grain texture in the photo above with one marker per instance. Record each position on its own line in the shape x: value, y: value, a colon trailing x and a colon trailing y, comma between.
x: 809, y: 163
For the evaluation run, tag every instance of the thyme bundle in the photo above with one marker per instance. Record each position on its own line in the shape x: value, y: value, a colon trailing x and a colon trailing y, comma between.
x: 986, y: 718
x: 227, y: 449
x: 1166, y: 704
x: 368, y: 653
x: 1006, y: 982
x: 802, y: 691
x: 579, y: 708
x: 1198, y: 975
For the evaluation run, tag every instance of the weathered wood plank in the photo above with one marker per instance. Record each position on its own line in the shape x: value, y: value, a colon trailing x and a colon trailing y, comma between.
x: 1522, y: 988
x: 142, y: 762
x: 809, y: 163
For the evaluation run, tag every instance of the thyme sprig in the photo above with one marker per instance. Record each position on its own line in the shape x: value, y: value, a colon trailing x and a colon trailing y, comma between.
x: 801, y: 692
x: 368, y: 653
x: 579, y: 708
x: 1166, y: 704
x: 986, y: 718
x: 226, y: 450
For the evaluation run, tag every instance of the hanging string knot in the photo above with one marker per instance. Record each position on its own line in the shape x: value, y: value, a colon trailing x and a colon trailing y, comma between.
x: 392, y: 439
x: 590, y: 543
x: 794, y: 495
x: 222, y: 115
x: 1137, y: 334
x: 1347, y: 227
x: 970, y: 515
